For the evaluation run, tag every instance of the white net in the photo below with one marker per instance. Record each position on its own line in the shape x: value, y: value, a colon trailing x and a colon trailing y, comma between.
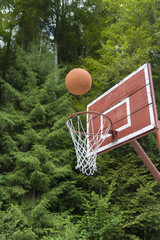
x: 87, y: 138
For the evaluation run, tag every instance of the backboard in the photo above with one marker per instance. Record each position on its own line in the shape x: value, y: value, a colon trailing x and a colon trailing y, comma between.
x: 131, y: 106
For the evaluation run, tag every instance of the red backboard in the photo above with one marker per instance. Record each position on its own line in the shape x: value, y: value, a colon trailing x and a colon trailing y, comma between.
x: 131, y: 106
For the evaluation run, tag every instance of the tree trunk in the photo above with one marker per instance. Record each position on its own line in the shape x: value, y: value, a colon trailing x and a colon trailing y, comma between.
x: 56, y: 35
x: 7, y: 55
x: 56, y: 52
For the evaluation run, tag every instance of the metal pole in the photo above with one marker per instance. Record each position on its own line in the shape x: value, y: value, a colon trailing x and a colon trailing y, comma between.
x: 137, y: 147
x: 158, y: 135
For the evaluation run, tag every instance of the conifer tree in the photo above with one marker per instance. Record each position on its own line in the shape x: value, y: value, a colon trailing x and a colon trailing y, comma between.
x: 36, y: 173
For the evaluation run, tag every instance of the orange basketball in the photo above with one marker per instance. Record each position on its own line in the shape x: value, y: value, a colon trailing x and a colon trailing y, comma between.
x: 78, y: 81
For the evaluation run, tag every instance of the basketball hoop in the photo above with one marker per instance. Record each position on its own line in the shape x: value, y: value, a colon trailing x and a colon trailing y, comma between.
x: 88, y: 131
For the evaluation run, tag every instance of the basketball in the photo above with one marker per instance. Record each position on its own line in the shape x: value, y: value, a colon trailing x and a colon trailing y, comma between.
x: 78, y: 81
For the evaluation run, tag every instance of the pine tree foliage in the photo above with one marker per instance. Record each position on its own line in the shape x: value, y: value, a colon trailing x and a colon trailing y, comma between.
x: 35, y: 146
x: 42, y: 196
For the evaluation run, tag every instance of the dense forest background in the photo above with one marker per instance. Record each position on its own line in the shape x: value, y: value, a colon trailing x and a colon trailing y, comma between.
x: 42, y: 195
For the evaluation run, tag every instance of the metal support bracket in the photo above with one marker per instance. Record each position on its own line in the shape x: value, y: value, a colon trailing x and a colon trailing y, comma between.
x: 137, y: 147
x: 114, y: 135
